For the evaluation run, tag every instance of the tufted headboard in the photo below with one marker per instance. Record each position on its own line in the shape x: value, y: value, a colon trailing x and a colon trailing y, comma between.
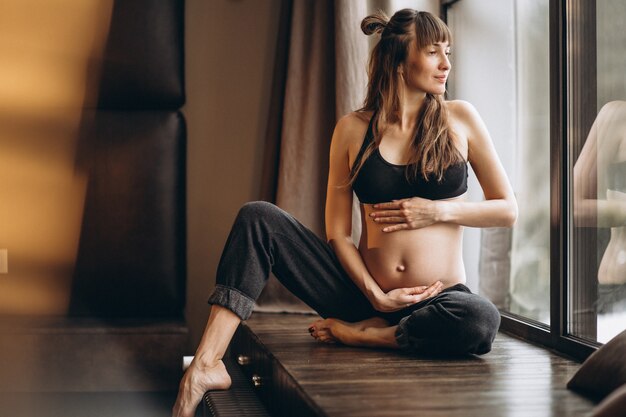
x: 131, y: 256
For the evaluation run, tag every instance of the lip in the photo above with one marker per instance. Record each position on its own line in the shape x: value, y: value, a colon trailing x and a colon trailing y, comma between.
x: 441, y: 78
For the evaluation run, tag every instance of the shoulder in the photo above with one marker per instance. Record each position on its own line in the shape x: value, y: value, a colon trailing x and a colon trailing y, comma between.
x: 613, y: 106
x: 612, y: 110
x: 351, y: 128
x: 462, y: 111
x: 465, y: 119
x: 354, y: 122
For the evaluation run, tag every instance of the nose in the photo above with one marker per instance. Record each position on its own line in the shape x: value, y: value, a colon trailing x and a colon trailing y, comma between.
x: 445, y: 63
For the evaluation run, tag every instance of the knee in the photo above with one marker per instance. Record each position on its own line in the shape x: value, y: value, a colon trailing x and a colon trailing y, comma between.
x: 459, y: 324
x: 255, y: 211
x: 482, y: 324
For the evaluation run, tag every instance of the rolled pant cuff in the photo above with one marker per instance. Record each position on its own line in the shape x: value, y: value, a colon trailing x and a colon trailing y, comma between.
x: 232, y: 299
x: 402, y: 335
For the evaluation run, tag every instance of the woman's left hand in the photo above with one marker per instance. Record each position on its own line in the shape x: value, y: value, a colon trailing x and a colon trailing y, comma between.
x: 407, y: 214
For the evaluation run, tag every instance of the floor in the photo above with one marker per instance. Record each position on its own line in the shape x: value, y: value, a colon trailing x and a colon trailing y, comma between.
x: 514, y: 379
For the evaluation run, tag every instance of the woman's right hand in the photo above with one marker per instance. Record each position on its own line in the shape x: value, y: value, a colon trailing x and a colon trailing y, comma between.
x: 400, y: 298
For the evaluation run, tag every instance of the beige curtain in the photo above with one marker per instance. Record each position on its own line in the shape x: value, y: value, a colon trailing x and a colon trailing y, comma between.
x: 325, y: 79
x: 320, y: 75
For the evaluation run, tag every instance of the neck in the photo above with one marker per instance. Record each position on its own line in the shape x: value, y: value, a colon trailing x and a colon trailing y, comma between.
x: 411, y: 103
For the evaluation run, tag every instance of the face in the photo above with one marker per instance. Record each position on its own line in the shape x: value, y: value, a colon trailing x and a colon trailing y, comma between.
x: 427, y: 70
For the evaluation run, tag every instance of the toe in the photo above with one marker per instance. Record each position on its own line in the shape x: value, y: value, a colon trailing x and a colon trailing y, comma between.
x: 316, y: 323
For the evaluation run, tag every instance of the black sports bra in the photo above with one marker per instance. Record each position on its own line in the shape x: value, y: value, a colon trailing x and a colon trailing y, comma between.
x: 617, y: 176
x: 380, y: 181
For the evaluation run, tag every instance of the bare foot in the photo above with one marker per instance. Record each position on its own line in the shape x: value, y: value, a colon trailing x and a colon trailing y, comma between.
x: 334, y: 330
x: 195, y: 383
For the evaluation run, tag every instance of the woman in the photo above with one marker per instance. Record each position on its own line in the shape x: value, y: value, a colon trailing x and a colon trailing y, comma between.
x: 404, y: 155
x: 600, y: 199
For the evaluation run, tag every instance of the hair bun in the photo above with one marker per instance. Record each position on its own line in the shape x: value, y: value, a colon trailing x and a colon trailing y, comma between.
x: 374, y: 23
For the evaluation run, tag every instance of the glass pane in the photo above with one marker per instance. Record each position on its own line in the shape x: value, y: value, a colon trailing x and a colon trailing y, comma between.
x: 501, y: 65
x: 597, y: 141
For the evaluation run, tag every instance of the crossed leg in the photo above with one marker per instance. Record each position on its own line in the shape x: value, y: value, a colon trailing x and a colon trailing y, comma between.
x: 373, y: 332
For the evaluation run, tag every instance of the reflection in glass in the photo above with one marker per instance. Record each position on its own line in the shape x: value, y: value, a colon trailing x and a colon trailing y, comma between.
x: 600, y: 202
x: 597, y: 282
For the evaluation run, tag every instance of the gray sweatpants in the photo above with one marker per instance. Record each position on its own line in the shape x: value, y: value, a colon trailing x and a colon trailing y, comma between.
x: 265, y: 238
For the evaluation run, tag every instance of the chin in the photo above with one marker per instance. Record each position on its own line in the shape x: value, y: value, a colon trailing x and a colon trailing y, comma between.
x: 439, y: 90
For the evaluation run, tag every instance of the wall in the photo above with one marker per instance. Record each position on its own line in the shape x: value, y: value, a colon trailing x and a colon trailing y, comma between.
x: 230, y: 49
x: 45, y: 83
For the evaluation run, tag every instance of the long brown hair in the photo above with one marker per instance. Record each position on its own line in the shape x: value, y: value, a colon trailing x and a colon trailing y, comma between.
x: 432, y: 148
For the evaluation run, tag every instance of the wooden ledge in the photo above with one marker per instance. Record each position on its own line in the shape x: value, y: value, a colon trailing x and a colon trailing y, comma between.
x: 297, y: 375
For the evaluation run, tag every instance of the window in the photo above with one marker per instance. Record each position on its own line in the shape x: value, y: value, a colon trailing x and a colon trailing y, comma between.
x: 501, y: 65
x: 548, y: 78
x: 597, y: 155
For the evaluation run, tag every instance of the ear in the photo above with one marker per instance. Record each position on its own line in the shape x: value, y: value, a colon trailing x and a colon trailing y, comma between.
x: 401, y: 72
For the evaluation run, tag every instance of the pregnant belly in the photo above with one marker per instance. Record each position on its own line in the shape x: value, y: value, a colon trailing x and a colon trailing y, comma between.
x: 410, y: 258
x: 613, y: 265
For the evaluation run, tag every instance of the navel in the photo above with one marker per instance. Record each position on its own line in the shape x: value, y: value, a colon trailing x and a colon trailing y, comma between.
x: 400, y: 268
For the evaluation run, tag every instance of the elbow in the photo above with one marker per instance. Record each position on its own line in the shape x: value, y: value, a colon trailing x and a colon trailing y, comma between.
x: 578, y: 213
x: 585, y: 213
x: 335, y: 241
x: 510, y: 215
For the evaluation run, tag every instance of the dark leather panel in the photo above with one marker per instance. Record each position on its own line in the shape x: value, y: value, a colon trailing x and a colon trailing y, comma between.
x: 131, y: 258
x: 143, y: 61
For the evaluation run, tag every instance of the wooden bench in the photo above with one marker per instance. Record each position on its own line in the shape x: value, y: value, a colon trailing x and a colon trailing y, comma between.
x: 294, y: 375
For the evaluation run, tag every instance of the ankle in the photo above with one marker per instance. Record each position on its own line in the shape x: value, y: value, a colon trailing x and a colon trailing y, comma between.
x: 207, y: 361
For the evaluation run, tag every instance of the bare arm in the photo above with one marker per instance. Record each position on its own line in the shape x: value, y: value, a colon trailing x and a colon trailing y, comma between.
x: 499, y: 209
x: 589, y: 210
x: 339, y: 226
x: 338, y: 211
